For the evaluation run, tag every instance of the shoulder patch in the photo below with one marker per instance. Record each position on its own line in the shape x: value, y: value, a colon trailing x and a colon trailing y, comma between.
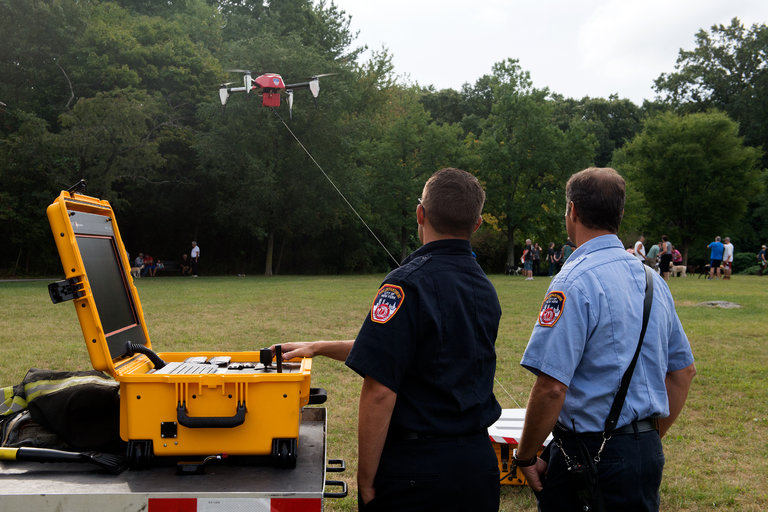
x: 388, y: 300
x: 551, y: 309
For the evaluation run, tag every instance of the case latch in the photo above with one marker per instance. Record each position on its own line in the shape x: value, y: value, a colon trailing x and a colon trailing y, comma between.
x: 65, y: 290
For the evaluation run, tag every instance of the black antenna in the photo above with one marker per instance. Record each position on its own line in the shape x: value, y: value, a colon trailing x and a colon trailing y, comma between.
x: 78, y: 187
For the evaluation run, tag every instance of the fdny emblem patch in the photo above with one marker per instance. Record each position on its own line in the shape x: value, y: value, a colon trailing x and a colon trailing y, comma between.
x: 551, y: 309
x: 388, y: 300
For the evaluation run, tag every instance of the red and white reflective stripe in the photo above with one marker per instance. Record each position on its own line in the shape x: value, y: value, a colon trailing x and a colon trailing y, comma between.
x: 234, y: 505
x: 504, y: 440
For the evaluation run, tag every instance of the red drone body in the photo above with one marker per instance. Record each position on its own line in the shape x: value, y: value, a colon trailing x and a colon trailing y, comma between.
x: 270, y: 84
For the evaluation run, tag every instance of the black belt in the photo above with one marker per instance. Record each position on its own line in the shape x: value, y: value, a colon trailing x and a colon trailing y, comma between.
x: 636, y: 427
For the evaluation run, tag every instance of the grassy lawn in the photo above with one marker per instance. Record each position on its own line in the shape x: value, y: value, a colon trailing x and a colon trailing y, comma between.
x: 717, y: 452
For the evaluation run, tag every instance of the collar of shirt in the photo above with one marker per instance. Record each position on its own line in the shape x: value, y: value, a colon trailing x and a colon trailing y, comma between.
x: 445, y: 246
x: 598, y: 243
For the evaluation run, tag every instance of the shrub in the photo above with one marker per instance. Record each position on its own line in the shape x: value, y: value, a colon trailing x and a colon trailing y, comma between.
x: 743, y: 261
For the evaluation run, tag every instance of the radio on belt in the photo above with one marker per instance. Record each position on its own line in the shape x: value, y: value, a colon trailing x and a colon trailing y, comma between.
x: 172, y: 404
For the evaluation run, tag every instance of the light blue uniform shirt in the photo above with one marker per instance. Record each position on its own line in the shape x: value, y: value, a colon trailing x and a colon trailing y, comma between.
x: 587, y: 334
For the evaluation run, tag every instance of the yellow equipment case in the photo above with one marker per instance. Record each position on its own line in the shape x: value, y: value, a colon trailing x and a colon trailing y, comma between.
x: 504, y: 435
x: 172, y: 404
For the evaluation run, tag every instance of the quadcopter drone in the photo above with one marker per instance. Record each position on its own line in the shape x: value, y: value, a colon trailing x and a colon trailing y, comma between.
x: 270, y: 86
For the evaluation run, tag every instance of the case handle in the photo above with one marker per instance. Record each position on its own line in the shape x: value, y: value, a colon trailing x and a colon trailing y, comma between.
x: 342, y: 466
x: 340, y: 494
x: 317, y: 396
x: 210, y: 421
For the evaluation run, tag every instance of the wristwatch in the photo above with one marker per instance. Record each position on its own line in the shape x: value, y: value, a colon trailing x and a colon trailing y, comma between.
x: 524, y: 463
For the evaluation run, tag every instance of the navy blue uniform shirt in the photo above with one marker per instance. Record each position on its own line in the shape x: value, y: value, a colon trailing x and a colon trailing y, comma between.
x: 430, y: 337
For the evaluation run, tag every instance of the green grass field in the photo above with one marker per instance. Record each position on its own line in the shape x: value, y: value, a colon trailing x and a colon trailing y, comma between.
x: 717, y: 452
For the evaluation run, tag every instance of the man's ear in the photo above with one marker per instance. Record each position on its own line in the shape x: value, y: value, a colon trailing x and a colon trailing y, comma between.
x: 572, y: 213
x: 477, y: 224
x: 420, y: 214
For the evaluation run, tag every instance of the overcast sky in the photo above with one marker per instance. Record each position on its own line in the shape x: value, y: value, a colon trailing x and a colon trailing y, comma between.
x: 586, y: 48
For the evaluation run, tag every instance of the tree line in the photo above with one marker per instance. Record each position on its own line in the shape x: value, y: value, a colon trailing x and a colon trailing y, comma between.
x: 125, y: 95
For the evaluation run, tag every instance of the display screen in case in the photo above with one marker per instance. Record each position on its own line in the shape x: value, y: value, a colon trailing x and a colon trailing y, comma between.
x: 107, y: 280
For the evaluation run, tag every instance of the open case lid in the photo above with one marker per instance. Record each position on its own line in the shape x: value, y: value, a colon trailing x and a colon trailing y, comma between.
x: 98, y: 278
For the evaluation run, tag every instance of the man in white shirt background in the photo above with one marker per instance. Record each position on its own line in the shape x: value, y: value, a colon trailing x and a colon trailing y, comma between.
x: 727, y: 258
x: 640, y: 248
x: 194, y: 255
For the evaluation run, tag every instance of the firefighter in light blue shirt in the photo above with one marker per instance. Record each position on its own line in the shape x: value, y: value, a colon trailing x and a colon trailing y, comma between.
x: 583, y: 341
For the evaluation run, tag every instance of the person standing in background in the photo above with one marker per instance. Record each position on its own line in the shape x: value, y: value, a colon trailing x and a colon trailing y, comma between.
x: 716, y: 249
x: 666, y: 257
x: 640, y: 249
x: 527, y: 260
x: 194, y: 257
x: 536, y: 258
x: 553, y: 257
x: 566, y: 250
x: 727, y: 258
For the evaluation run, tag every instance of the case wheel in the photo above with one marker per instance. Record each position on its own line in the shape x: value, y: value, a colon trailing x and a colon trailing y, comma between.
x: 284, y: 453
x: 140, y: 454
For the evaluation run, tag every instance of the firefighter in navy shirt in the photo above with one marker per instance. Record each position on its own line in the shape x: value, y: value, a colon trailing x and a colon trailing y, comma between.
x: 426, y: 353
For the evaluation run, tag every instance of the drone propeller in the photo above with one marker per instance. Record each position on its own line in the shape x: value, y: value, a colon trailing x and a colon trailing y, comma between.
x: 289, y: 93
x: 314, y: 84
x: 314, y: 87
x: 223, y: 95
x: 238, y: 71
x: 225, y: 91
x: 248, y: 81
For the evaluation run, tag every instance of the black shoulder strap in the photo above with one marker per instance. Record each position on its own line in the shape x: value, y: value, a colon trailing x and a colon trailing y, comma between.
x: 618, y: 401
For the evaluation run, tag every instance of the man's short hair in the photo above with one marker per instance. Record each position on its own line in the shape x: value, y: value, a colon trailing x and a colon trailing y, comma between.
x: 599, y: 194
x: 453, y: 201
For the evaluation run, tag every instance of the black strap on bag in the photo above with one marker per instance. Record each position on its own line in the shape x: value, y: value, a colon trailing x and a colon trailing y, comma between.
x: 618, y: 400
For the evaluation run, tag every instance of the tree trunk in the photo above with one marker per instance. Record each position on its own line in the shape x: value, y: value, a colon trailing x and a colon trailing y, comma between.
x: 18, y: 259
x: 270, y: 251
x: 686, y: 245
x: 280, y: 255
x: 511, y: 246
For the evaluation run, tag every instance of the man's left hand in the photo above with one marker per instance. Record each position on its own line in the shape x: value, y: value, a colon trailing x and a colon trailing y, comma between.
x: 534, y: 475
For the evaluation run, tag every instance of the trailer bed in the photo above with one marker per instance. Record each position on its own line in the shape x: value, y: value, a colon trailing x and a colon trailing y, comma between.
x: 33, y: 486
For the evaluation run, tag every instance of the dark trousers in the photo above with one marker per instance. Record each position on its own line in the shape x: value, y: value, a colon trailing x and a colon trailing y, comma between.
x: 629, y: 473
x: 437, y: 474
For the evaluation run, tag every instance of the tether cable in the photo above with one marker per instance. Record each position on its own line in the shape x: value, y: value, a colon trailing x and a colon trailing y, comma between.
x: 508, y: 393
x: 397, y: 263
